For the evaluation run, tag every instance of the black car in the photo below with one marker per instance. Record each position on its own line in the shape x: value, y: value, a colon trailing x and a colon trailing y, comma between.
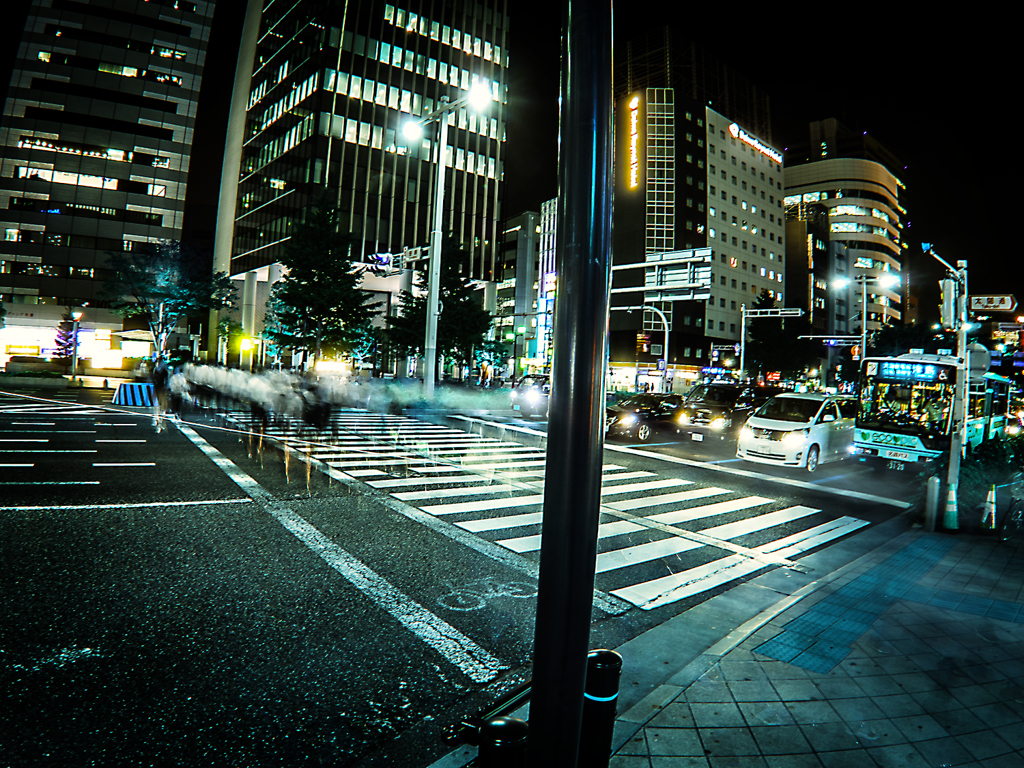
x: 530, y: 396
x: 718, y: 411
x: 643, y: 414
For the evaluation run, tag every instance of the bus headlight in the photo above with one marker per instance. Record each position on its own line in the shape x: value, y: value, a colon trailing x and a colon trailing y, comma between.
x: 796, y: 437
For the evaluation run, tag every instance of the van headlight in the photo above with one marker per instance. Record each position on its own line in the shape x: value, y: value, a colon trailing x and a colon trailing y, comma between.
x: 747, y: 430
x: 796, y: 437
x: 684, y: 418
x: 629, y: 418
x: 719, y: 422
x: 533, y: 396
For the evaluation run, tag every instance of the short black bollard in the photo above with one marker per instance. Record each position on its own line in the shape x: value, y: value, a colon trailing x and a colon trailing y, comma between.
x: 600, y: 698
x: 502, y: 743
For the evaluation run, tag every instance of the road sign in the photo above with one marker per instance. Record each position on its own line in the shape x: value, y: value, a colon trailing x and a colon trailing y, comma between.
x: 1011, y: 327
x: 998, y: 303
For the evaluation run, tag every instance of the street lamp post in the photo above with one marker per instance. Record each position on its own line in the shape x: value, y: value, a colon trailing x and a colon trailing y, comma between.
x: 477, y: 97
x: 886, y: 281
x: 76, y: 315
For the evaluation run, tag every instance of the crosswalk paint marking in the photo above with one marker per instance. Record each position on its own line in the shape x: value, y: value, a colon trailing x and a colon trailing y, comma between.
x: 604, y: 530
x: 759, y: 523
x: 677, y: 586
x: 610, y: 490
x: 480, y: 506
x: 812, y: 537
x: 643, y: 553
x: 709, y: 510
x: 366, y: 472
x: 481, y: 466
x: 497, y: 523
x: 404, y: 482
x: 668, y: 498
x: 473, y: 490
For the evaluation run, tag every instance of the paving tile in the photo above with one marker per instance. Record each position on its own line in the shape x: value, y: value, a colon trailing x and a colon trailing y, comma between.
x: 793, y: 761
x: 627, y: 761
x: 675, y: 715
x: 759, y: 713
x: 753, y: 690
x: 797, y: 690
x: 861, y: 668
x: 673, y: 741
x: 914, y: 682
x: 857, y: 709
x: 677, y: 762
x: 741, y: 670
x: 944, y: 752
x: 876, y: 732
x: 737, y: 761
x: 958, y: 721
x: 812, y: 712
x: 994, y: 715
x: 1011, y: 734
x: 777, y: 670
x: 1009, y: 760
x: 780, y: 740
x: 707, y: 691
x: 973, y: 696
x: 983, y: 744
x: 879, y: 685
x: 896, y: 665
x: 846, y: 688
x: 897, y: 756
x: 919, y: 727
x: 830, y: 737
x: 937, y: 701
x: 899, y: 705
x: 719, y: 742
x: 635, y: 746
x: 721, y: 714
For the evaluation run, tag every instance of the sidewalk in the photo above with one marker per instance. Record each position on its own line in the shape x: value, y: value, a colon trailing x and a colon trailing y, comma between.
x: 912, y: 655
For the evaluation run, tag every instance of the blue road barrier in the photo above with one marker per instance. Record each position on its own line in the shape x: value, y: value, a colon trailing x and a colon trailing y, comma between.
x: 134, y: 394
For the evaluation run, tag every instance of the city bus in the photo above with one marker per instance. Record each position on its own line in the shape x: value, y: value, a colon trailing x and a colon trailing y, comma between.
x: 905, y: 410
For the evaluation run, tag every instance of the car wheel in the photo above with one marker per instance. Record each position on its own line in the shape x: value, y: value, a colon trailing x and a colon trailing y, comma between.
x: 643, y: 433
x: 812, y: 458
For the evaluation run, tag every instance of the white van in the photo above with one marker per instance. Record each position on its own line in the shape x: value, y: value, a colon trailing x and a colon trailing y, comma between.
x: 799, y: 430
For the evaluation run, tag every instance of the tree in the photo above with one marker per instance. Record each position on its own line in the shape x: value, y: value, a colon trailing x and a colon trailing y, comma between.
x: 899, y: 339
x: 66, y: 340
x: 165, y: 282
x: 463, y: 321
x: 318, y: 306
x: 772, y: 343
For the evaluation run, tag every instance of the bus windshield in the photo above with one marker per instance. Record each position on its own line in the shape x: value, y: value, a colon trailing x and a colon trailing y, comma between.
x: 906, y: 407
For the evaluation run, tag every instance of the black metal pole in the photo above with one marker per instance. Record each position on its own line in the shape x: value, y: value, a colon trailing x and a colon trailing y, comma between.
x: 502, y: 743
x: 604, y: 668
x: 572, y: 492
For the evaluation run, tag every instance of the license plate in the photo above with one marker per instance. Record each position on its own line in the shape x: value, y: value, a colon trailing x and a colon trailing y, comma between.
x: 515, y: 408
x: 898, y: 465
x: 696, y: 436
x: 897, y: 455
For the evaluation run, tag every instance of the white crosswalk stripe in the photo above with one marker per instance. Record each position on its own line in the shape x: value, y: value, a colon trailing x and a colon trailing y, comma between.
x: 482, y: 486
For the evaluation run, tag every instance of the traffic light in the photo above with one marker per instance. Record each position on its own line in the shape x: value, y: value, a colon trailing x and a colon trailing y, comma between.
x: 947, y: 305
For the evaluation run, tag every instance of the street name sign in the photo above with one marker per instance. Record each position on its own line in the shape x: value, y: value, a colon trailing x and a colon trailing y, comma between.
x: 1000, y: 303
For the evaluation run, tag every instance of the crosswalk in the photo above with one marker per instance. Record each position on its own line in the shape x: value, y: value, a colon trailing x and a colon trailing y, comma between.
x: 494, y: 488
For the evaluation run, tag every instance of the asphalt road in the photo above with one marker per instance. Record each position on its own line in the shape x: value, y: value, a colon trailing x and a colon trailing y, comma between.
x: 194, y: 594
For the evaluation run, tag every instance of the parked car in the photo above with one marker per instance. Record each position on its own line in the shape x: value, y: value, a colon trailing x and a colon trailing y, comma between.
x: 530, y: 396
x: 799, y: 430
x: 642, y: 415
x: 717, y: 411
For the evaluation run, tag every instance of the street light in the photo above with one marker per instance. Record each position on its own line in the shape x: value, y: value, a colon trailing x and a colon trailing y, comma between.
x: 76, y: 315
x: 886, y: 280
x: 477, y: 98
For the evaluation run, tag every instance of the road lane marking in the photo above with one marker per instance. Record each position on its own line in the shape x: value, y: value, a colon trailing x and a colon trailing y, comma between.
x: 126, y: 464
x: 644, y: 553
x: 120, y: 441
x: 141, y: 505
x: 53, y: 482
x: 17, y: 465
x: 470, y: 490
x: 709, y: 510
x: 34, y: 423
x: 474, y: 661
x: 759, y: 523
x: 27, y: 440
x: 47, y: 450
x: 479, y: 506
x: 52, y: 431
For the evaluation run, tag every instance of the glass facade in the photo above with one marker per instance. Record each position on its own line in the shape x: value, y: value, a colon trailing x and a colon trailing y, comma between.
x: 96, y: 135
x: 332, y: 86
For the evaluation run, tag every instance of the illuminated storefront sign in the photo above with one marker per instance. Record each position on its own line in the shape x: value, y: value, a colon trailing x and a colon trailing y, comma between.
x: 738, y: 133
x: 634, y: 142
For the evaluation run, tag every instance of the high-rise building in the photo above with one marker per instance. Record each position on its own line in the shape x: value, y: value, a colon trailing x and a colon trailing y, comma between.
x: 858, y: 182
x: 518, y: 291
x: 699, y: 229
x: 331, y: 87
x: 95, y: 136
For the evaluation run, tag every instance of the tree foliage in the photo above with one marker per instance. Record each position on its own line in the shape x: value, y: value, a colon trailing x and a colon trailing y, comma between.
x: 318, y: 306
x: 66, y: 339
x: 463, y: 321
x: 165, y: 282
x: 772, y: 343
x: 899, y: 339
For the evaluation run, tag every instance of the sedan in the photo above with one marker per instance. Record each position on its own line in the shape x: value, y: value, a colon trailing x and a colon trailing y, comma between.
x: 641, y: 415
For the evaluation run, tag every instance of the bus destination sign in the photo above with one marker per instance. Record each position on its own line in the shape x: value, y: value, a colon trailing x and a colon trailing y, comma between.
x: 906, y: 371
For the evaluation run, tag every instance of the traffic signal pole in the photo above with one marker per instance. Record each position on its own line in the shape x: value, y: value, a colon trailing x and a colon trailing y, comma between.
x: 572, y: 493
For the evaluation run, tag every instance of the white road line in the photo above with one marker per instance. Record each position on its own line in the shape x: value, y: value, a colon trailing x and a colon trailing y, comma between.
x: 49, y: 450
x: 53, y: 431
x: 366, y: 472
x: 642, y: 553
x: 17, y: 465
x: 480, y: 506
x: 497, y: 523
x: 753, y: 524
x: 405, y: 482
x: 34, y: 423
x: 473, y: 490
x: 604, y: 530
x: 484, y: 466
x: 667, y: 498
x: 143, y: 505
x: 120, y: 441
x: 813, y: 537
x: 114, y: 424
x: 677, y: 586
x: 610, y: 490
x: 54, y: 482
x: 479, y: 665
x: 708, y: 510
x: 127, y: 464
x: 28, y: 440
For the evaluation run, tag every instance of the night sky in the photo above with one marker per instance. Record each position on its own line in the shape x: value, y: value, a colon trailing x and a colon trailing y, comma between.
x: 935, y: 92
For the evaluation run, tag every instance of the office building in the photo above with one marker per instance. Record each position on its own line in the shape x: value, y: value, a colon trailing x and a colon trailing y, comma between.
x: 96, y: 135
x: 699, y: 229
x: 330, y: 89
x: 858, y: 182
x: 518, y: 292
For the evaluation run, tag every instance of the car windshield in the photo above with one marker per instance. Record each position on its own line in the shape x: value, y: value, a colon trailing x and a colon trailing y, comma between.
x: 642, y: 401
x: 533, y: 381
x: 789, y: 409
x: 709, y: 394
